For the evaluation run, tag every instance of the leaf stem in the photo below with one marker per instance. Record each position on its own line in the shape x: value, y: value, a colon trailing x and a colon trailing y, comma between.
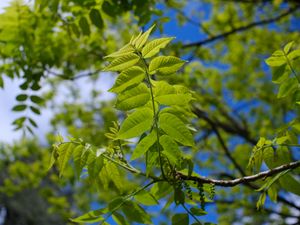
x: 154, y: 114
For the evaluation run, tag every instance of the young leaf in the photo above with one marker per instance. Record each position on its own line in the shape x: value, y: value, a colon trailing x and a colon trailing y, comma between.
x: 119, y: 219
x: 133, y: 97
x: 96, y: 18
x: 170, y: 149
x: 36, y: 99
x: 35, y: 110
x: 127, y: 49
x: 127, y: 78
x: 143, y: 38
x: 21, y: 97
x: 289, y: 183
x: 180, y: 219
x: 77, y: 154
x: 294, y: 54
x: 288, y: 87
x: 19, y: 108
x: 153, y: 47
x: 174, y: 99
x: 64, y: 155
x: 137, y: 123
x: 276, y: 59
x: 136, y: 213
x: 84, y: 26
x: 288, y: 47
x: 198, y: 211
x: 144, y: 145
x: 91, y: 217
x: 123, y: 62
x: 145, y: 198
x: 164, y: 65
x: 95, y: 166
x: 280, y: 74
x: 178, y: 196
x: 175, y: 128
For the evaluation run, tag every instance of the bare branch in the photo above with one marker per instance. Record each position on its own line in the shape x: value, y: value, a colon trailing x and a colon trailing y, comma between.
x: 243, y: 28
x: 242, y: 180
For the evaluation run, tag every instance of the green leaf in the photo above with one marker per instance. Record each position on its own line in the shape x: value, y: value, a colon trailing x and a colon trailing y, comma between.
x: 288, y: 47
x: 198, y: 211
x: 180, y: 219
x: 75, y: 30
x: 35, y: 110
x: 19, y: 108
x: 178, y: 196
x: 91, y: 217
x: 36, y: 99
x: 77, y: 153
x: 32, y: 122
x: 272, y: 180
x: 95, y: 167
x: 96, y: 18
x: 143, y: 38
x: 280, y: 74
x: 127, y: 78
x: 170, y: 149
x: 114, y: 175
x: 84, y: 26
x: 261, y: 200
x: 276, y: 59
x: 153, y: 47
x: 64, y: 155
x: 164, y: 65
x: 288, y: 87
x: 136, y: 213
x: 289, y: 183
x: 145, y: 198
x: 294, y: 54
x: 127, y: 49
x: 160, y: 190
x: 144, y: 145
x: 123, y: 62
x: 119, y: 219
x: 133, y: 97
x: 174, y: 99
x: 175, y: 128
x: 136, y: 123
x: 21, y: 97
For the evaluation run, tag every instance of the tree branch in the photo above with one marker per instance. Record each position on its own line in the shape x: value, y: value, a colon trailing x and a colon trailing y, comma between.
x: 243, y: 28
x: 242, y: 180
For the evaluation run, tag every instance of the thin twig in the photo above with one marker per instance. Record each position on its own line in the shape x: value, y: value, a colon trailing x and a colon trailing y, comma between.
x: 243, y: 28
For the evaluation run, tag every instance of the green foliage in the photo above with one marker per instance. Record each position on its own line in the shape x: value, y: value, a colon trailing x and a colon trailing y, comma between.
x: 183, y: 119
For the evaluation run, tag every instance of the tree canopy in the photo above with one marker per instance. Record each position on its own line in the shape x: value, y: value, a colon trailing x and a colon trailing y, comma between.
x: 201, y: 125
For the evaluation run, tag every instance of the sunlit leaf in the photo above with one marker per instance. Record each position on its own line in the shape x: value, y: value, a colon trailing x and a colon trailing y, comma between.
x: 164, y: 65
x: 176, y: 129
x: 153, y: 47
x: 123, y: 62
x: 131, y: 76
x: 136, y: 123
x: 144, y: 145
x: 133, y: 97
